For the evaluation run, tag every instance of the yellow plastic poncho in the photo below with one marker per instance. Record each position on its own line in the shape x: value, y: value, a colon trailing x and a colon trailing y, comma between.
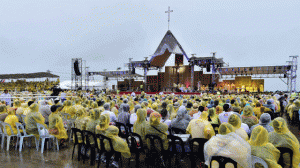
x: 201, y: 128
x: 294, y: 107
x: 228, y: 144
x: 66, y: 109
x: 11, y: 119
x: 248, y: 117
x: 171, y: 111
x: 80, y: 123
x: 103, y: 124
x: 213, y: 116
x: 236, y: 122
x: 139, y: 126
x: 17, y: 104
x: 118, y: 143
x: 32, y: 118
x: 261, y: 147
x: 282, y: 137
x: 72, y: 111
x: 56, y: 122
x: 115, y: 110
x: 155, y: 119
x: 93, y: 122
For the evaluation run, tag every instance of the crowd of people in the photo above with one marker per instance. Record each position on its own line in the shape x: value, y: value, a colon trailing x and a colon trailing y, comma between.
x: 247, y: 124
x: 31, y: 86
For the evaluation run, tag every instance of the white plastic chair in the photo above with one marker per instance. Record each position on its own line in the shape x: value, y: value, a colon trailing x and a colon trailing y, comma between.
x: 44, y: 137
x: 21, y: 137
x: 8, y: 137
x: 258, y: 160
x: 1, y: 132
x: 71, y: 125
x: 23, y: 119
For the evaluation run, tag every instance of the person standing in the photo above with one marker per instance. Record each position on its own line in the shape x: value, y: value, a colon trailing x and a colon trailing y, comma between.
x: 5, y: 96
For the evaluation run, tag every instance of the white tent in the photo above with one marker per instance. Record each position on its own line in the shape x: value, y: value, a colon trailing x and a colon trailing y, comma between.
x: 92, y: 84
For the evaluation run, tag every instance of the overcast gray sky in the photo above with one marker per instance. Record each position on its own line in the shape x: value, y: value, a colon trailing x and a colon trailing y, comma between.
x: 45, y: 35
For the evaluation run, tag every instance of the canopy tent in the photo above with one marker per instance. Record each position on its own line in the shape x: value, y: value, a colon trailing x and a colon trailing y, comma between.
x: 67, y: 85
x: 169, y: 45
x: 28, y: 75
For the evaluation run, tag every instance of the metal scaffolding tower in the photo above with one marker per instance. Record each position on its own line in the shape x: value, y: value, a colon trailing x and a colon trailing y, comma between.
x: 76, y: 73
x: 87, y: 79
x: 292, y: 75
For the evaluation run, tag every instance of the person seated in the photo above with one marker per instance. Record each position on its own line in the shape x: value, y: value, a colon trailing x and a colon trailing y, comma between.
x: 3, y: 112
x: 124, y: 116
x: 236, y: 122
x: 112, y: 115
x: 282, y: 137
x: 265, y: 120
x: 194, y: 110
x: 155, y: 127
x: 228, y: 144
x: 248, y: 117
x: 45, y: 110
x: 93, y: 122
x: 257, y: 110
x: 213, y: 118
x: 225, y: 115
x: 262, y: 148
x: 180, y: 121
x: 165, y: 117
x: 133, y: 116
x: 32, y: 118
x: 139, y: 126
x: 56, y: 126
x: 11, y: 119
x: 201, y: 127
x: 118, y: 143
x: 19, y: 109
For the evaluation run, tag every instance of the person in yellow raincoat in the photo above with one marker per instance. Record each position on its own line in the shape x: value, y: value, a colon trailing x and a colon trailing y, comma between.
x: 139, y: 126
x: 66, y: 107
x: 171, y: 111
x: 93, y: 122
x: 17, y: 104
x: 228, y: 144
x: 282, y: 137
x: 56, y: 126
x: 118, y: 143
x: 262, y: 148
x: 103, y: 125
x: 213, y: 118
x: 32, y: 118
x: 155, y: 125
x: 11, y: 119
x: 3, y: 112
x: 200, y: 128
x: 80, y: 122
x: 248, y: 117
x: 294, y: 107
x: 236, y: 122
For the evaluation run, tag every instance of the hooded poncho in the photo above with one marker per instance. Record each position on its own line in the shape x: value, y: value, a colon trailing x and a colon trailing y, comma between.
x: 261, y: 147
x: 139, y: 126
x: 265, y: 120
x: 235, y: 121
x: 201, y: 128
x: 56, y: 123
x: 248, y: 117
x: 155, y: 118
x: 228, y: 144
x: 282, y: 137
x: 180, y: 121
